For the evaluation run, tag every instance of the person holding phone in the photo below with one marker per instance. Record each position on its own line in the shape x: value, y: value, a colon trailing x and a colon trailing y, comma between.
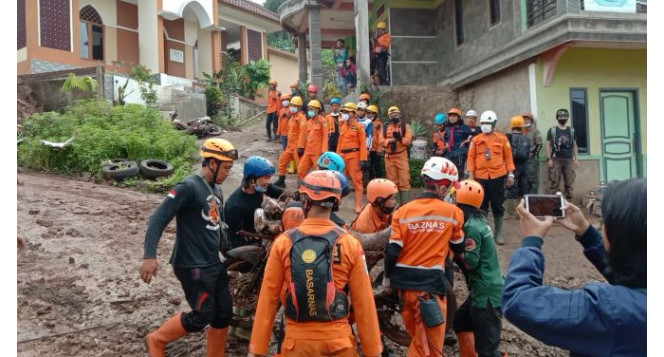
x: 600, y: 319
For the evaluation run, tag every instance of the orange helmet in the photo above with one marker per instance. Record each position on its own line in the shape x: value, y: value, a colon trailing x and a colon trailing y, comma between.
x: 219, y: 149
x: 286, y: 96
x: 292, y: 217
x: 380, y: 189
x: 295, y: 85
x: 273, y: 82
x: 365, y: 96
x: 470, y: 193
x: 456, y: 111
x: 517, y: 122
x: 321, y: 185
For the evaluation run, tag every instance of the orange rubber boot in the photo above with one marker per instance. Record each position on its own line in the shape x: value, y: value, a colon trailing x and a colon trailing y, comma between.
x: 170, y: 331
x: 216, y: 341
x: 466, y: 344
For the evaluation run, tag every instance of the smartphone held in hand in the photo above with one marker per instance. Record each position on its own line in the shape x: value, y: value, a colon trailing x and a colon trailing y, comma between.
x: 545, y: 205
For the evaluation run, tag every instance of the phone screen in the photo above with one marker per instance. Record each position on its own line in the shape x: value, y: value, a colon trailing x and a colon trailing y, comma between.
x: 541, y: 206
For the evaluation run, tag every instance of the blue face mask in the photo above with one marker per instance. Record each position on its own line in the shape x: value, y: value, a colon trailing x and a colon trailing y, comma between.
x: 311, y: 113
x: 259, y: 189
x: 293, y: 109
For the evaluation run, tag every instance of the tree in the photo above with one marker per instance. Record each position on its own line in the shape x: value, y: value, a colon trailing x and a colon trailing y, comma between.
x: 281, y: 39
x: 80, y: 85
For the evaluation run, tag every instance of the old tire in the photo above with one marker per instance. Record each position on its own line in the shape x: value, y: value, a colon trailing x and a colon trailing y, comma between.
x: 153, y: 168
x: 120, y: 170
x: 118, y: 160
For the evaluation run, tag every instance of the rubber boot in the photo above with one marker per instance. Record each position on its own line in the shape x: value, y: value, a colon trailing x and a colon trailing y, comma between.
x: 466, y: 344
x: 358, y: 201
x: 292, y: 169
x: 281, y: 182
x: 498, y: 234
x: 510, y: 209
x: 216, y: 341
x: 170, y: 331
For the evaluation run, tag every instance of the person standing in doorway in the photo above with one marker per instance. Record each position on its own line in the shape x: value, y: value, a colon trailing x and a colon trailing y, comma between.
x: 563, y: 154
x: 532, y: 168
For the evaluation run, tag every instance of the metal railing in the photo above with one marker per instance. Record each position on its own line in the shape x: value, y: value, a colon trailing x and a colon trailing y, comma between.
x: 539, y: 10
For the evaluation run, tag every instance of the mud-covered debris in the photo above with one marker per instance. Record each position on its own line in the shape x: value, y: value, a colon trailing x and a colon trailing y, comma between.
x: 33, y: 211
x: 72, y: 261
x: 175, y: 301
x: 45, y: 222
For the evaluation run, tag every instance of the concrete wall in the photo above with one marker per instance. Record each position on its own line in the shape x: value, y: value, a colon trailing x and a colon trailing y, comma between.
x: 420, y: 102
x: 420, y: 46
x: 284, y: 68
x: 506, y: 93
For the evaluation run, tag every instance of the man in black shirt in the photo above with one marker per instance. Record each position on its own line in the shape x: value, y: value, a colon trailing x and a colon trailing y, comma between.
x: 243, y: 202
x: 563, y: 154
x: 195, y: 202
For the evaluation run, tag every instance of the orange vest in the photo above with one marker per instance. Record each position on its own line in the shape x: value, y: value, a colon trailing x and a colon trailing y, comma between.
x: 369, y: 222
x: 272, y: 102
x: 401, y: 146
x: 349, y: 270
x: 314, y: 136
x: 490, y: 156
x: 295, y: 124
x: 439, y: 139
x: 353, y: 138
x: 378, y: 128
x: 282, y: 129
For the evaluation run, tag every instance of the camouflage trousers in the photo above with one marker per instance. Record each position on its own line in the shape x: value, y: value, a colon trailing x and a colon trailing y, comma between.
x: 532, y: 172
x: 563, y: 169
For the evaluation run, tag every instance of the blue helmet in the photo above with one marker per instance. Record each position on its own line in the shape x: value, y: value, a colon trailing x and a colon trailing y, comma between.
x: 440, y: 119
x: 345, y: 189
x: 330, y: 160
x: 258, y: 166
x: 335, y: 101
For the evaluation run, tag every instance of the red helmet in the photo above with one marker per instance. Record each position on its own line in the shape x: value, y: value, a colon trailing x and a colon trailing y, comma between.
x: 312, y: 88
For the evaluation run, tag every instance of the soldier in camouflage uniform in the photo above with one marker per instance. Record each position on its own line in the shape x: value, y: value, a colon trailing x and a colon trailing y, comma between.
x: 532, y: 168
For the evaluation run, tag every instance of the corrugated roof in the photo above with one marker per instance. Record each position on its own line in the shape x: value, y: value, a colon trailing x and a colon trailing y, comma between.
x: 253, y: 7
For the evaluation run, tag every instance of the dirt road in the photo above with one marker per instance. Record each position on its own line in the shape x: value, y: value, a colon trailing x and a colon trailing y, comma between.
x: 79, y: 292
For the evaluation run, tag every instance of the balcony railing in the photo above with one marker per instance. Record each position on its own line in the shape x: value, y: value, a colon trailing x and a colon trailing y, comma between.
x: 539, y: 10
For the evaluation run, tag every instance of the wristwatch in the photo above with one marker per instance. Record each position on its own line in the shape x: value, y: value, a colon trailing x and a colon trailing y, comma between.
x: 510, y: 175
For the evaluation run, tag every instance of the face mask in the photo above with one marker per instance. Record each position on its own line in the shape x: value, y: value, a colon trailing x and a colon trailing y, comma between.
x: 562, y: 121
x: 528, y: 125
x: 284, y: 103
x: 311, y: 113
x: 345, y: 116
x: 259, y: 189
x: 293, y: 109
x: 370, y: 116
x: 334, y: 114
x: 486, y: 128
x: 387, y: 210
x: 394, y: 120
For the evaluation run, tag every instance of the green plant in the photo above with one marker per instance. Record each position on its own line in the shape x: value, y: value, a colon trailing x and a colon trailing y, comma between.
x: 122, y: 93
x: 257, y: 76
x: 418, y: 129
x: 79, y: 85
x: 331, y: 90
x: 244, y: 80
x: 145, y: 84
x: 213, y: 100
x: 415, y: 167
x: 103, y: 132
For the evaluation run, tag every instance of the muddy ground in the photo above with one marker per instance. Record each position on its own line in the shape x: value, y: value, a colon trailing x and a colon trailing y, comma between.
x: 79, y: 291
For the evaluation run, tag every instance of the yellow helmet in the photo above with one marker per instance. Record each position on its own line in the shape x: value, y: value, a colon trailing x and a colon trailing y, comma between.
x: 517, y: 122
x: 315, y: 103
x: 372, y: 108
x: 219, y: 149
x: 296, y: 101
x: 349, y: 107
x: 381, y: 25
x: 393, y: 110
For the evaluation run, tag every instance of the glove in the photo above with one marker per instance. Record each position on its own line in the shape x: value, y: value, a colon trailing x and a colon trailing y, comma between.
x: 364, y: 164
x: 396, y: 135
x: 300, y: 151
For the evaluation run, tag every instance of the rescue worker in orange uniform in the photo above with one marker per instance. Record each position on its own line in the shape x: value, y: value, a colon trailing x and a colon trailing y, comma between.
x: 440, y: 146
x: 295, y: 124
x: 284, y: 115
x: 376, y: 149
x: 377, y: 215
x: 423, y: 231
x: 313, y: 139
x: 395, y: 138
x: 311, y: 286
x: 490, y: 163
x: 272, y: 111
x: 353, y: 149
x: 381, y: 50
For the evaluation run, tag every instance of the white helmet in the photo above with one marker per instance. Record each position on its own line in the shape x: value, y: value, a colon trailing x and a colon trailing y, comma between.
x: 439, y: 168
x: 471, y: 113
x: 362, y: 105
x: 488, y: 117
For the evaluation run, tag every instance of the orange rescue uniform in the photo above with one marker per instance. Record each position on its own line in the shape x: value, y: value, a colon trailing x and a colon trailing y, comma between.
x: 383, y: 43
x: 295, y: 125
x: 284, y: 115
x: 396, y: 161
x: 353, y: 149
x: 424, y: 229
x: 377, y: 130
x: 490, y: 156
x: 368, y: 221
x: 439, y: 141
x: 272, y: 101
x: 333, y: 338
x: 313, y: 138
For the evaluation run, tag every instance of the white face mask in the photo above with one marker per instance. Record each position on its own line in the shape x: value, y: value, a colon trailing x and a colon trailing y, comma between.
x: 486, y: 128
x: 345, y: 116
x: 284, y: 103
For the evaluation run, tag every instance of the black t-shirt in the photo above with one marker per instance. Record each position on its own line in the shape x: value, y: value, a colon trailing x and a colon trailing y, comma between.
x: 197, y: 218
x: 239, y: 212
x: 563, y: 143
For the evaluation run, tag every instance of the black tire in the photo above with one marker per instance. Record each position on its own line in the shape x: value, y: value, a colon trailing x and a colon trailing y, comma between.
x: 153, y: 168
x: 119, y: 160
x: 213, y: 130
x: 120, y: 171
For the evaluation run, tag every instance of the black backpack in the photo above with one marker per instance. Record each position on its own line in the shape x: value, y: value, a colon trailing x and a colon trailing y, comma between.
x: 520, y: 147
x: 311, y: 295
